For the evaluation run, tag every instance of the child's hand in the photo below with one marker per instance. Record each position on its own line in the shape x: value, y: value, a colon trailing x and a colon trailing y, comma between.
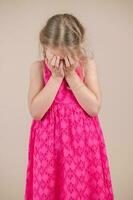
x: 70, y: 65
x: 56, y: 66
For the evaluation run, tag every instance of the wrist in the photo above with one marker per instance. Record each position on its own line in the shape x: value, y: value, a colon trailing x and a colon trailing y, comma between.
x: 57, y: 78
x: 70, y: 74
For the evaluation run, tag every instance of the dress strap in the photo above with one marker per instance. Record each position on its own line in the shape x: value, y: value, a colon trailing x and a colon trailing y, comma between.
x: 45, y: 66
x: 80, y: 71
x: 44, y: 70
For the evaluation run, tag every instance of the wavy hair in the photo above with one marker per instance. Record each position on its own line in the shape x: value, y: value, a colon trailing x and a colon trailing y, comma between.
x: 66, y: 32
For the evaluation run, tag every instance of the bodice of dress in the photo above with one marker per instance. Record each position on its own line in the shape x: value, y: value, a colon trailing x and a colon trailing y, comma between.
x: 64, y: 94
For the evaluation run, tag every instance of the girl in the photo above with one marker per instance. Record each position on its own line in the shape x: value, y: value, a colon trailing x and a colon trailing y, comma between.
x: 67, y: 157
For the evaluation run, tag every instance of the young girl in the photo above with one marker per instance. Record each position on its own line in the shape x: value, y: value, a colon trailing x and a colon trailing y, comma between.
x: 67, y: 157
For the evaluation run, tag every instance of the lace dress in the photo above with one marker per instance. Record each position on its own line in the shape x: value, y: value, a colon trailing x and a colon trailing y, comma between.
x: 67, y: 157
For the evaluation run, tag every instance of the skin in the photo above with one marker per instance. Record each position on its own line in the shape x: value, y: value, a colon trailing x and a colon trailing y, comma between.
x: 40, y: 96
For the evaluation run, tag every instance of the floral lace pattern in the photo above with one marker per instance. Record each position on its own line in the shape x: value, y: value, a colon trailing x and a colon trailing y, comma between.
x: 67, y: 157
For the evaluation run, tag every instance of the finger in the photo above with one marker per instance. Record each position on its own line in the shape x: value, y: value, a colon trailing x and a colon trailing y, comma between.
x: 50, y: 58
x: 57, y: 62
x: 61, y: 64
x: 67, y: 63
x: 61, y: 67
x: 71, y: 60
x: 53, y: 61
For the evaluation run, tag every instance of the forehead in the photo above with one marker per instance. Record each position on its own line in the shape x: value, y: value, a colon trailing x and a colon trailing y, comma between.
x: 59, y: 51
x: 62, y: 51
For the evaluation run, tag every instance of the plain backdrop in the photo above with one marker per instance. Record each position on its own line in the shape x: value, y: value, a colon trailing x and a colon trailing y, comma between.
x: 109, y: 26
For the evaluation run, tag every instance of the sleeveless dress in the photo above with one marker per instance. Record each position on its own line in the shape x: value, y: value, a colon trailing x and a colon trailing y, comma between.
x: 67, y: 157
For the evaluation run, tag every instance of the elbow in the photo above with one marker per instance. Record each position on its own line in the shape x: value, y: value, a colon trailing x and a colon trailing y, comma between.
x: 96, y: 110
x: 35, y: 115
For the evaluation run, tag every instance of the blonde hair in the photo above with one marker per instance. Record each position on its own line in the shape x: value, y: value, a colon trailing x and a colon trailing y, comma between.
x: 64, y: 31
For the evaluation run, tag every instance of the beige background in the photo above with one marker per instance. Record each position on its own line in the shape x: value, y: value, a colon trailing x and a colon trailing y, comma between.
x: 110, y: 30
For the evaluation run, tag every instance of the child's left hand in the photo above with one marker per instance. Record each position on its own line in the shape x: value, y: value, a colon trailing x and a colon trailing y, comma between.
x: 70, y: 65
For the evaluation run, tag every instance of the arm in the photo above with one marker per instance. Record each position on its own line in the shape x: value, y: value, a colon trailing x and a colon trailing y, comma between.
x: 89, y: 95
x: 40, y: 96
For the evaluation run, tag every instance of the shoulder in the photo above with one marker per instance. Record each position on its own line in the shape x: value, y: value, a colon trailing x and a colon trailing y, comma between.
x: 91, y: 71
x: 36, y: 68
x: 90, y: 64
x: 36, y: 65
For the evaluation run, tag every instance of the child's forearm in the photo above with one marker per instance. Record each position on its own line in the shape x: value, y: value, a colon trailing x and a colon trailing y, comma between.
x: 84, y: 96
x: 43, y: 100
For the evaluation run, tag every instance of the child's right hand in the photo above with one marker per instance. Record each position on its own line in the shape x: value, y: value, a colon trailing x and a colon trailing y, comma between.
x: 56, y: 66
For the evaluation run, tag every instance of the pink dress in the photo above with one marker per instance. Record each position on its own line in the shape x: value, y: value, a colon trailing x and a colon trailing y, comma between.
x: 67, y: 157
